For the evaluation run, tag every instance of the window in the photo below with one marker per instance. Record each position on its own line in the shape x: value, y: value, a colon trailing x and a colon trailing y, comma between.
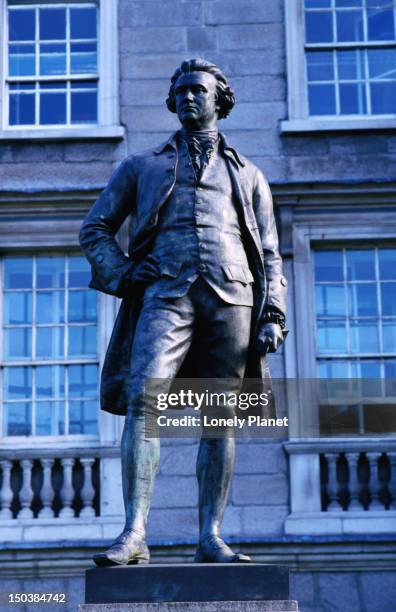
x: 50, y: 362
x: 56, y: 73
x: 342, y: 63
x: 52, y: 65
x: 355, y: 297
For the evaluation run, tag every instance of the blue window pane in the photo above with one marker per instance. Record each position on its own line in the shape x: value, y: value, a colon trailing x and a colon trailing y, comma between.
x: 50, y: 418
x: 388, y: 296
x: 333, y: 369
x: 319, y: 27
x: 52, y: 59
x: 83, y: 85
x: 21, y: 24
x: 350, y: 65
x: 17, y: 308
x: 352, y: 98
x: 83, y: 417
x: 21, y: 60
x: 18, y: 343
x: 52, y: 109
x: 348, y: 3
x: 387, y: 264
x: 349, y: 26
x: 79, y: 272
x: 18, y: 273
x: 82, y: 306
x: 58, y: 85
x: 328, y: 266
x: 50, y: 307
x: 50, y: 381
x: 383, y: 98
x: 389, y: 332
x: 21, y: 86
x: 360, y: 265
x: 382, y: 63
x: 83, y: 58
x: 363, y: 300
x: 82, y: 23
x: 390, y: 377
x: 50, y: 272
x: 22, y: 109
x: 83, y: 380
x: 18, y: 419
x: 50, y: 342
x: 84, y: 107
x: 317, y: 3
x: 82, y: 341
x: 322, y: 99
x: 331, y: 336
x: 330, y: 300
x: 53, y: 24
x: 364, y: 337
x: 320, y: 66
x: 381, y: 24
x: 17, y: 383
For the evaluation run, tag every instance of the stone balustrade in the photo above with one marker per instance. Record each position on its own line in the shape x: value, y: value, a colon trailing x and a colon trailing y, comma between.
x: 338, y: 484
x: 49, y: 484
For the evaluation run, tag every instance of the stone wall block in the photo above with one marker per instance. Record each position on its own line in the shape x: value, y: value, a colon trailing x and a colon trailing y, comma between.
x: 267, y: 88
x: 260, y: 458
x: 164, y: 13
x: 254, y: 11
x: 150, y: 119
x: 260, y: 489
x: 202, y: 38
x: 173, y: 525
x: 267, y: 520
x: 151, y: 40
x: 339, y: 592
x: 251, y: 36
x: 175, y: 492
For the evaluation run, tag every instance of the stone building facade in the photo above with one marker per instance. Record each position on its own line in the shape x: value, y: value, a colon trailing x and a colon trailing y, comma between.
x: 315, y: 85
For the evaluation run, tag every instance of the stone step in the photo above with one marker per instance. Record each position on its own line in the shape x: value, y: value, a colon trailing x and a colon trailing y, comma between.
x: 196, y: 606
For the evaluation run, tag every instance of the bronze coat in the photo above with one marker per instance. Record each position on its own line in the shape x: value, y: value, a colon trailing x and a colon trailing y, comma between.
x: 139, y: 188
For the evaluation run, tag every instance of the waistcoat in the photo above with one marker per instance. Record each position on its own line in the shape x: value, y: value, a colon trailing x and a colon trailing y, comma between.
x: 199, y: 234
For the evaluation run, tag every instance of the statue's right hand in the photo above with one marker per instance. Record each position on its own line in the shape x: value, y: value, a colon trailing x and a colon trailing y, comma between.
x: 146, y: 271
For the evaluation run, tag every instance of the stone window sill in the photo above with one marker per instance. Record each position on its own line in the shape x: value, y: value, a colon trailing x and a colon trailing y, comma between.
x: 110, y: 132
x: 295, y: 126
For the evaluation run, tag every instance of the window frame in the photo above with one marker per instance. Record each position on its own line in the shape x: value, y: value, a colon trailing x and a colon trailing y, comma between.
x: 353, y: 230
x: 298, y: 118
x: 108, y: 125
x: 34, y: 362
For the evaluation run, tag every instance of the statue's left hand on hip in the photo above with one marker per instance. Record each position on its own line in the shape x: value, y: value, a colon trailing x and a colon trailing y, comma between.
x: 269, y: 338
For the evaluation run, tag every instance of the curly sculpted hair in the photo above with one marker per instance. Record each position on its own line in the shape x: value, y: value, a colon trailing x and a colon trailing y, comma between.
x: 225, y: 95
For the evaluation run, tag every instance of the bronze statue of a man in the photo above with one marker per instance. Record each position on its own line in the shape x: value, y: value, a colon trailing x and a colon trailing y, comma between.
x: 203, y: 262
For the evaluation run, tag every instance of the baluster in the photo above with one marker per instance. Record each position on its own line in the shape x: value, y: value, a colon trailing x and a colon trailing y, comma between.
x: 26, y: 492
x: 6, y: 493
x: 354, y: 487
x: 375, y: 503
x: 392, y: 480
x: 67, y: 491
x: 47, y: 492
x: 332, y: 483
x: 87, y: 491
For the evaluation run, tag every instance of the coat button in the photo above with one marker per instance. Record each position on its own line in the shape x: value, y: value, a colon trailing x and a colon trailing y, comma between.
x: 101, y: 217
x: 283, y: 281
x: 99, y: 258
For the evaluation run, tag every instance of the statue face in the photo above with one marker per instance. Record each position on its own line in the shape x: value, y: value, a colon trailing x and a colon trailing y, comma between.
x: 195, y: 95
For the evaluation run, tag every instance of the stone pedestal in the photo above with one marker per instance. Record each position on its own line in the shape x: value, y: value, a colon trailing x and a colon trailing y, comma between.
x: 188, y: 587
x: 202, y: 606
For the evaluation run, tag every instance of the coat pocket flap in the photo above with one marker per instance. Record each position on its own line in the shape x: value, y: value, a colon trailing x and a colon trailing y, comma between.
x: 170, y: 268
x: 238, y: 272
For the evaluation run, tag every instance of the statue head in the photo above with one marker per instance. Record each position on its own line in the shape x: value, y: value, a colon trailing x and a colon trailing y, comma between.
x: 193, y: 77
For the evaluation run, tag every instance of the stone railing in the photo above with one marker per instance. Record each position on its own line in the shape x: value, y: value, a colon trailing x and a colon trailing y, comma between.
x: 49, y: 484
x: 334, y: 479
